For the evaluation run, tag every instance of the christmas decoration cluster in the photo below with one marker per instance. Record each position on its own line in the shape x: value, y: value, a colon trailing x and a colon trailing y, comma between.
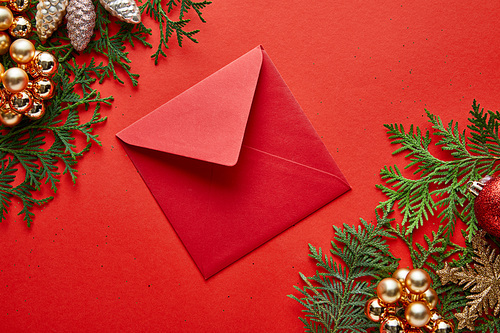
x: 80, y: 16
x: 29, y: 84
x: 411, y: 289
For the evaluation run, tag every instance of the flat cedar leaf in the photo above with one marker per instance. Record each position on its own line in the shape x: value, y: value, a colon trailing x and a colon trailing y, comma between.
x: 334, y: 297
x: 474, y: 156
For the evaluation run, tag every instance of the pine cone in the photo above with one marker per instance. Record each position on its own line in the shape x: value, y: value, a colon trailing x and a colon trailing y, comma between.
x: 125, y: 10
x: 49, y: 15
x: 81, y: 21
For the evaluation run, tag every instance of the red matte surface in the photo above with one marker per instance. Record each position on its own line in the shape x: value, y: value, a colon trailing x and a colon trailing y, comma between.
x: 283, y: 172
x: 102, y: 256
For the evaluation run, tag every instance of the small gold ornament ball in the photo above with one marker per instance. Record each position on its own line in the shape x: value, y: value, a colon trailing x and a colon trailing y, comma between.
x: 45, y: 63
x: 391, y: 324
x: 43, y: 88
x: 22, y: 51
x: 9, y: 118
x: 430, y: 298
x: 4, y: 43
x: 21, y: 102
x: 373, y: 309
x: 2, y: 69
x: 6, y: 18
x: 19, y: 5
x: 15, y: 79
x: 37, y: 110
x: 20, y: 27
x: 443, y: 326
x: 389, y: 290
x: 400, y: 274
x: 417, y: 314
x: 418, y: 281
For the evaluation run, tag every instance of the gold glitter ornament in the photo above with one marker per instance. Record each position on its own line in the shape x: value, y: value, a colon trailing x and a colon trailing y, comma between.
x: 6, y: 18
x: 21, y: 102
x: 124, y: 10
x: 81, y: 16
x: 22, y: 51
x: 4, y: 42
x: 15, y: 79
x: 37, y: 110
x: 45, y: 63
x: 19, y: 5
x: 9, y: 118
x: 483, y: 280
x: 20, y: 27
x: 49, y: 15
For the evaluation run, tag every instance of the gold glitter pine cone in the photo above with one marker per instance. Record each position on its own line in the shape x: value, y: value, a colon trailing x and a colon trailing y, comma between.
x: 81, y: 17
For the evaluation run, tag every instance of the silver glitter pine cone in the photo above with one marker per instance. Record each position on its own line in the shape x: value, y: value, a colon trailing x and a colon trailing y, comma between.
x: 49, y: 15
x: 81, y: 16
x: 124, y: 10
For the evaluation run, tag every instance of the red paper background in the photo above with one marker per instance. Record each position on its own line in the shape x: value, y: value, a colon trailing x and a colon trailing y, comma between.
x: 102, y: 256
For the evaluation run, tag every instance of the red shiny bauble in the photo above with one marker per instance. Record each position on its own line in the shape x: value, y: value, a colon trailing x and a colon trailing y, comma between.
x: 487, y: 205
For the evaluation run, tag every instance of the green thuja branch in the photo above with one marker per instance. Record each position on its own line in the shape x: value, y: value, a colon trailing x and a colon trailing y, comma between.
x: 25, y: 150
x: 441, y: 184
x: 168, y: 26
x: 25, y: 146
x: 334, y: 297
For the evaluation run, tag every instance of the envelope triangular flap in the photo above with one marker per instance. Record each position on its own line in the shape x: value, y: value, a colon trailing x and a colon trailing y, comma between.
x: 206, y: 122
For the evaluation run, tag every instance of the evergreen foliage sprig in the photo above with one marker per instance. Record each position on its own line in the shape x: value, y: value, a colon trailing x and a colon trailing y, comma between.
x: 334, y: 298
x: 35, y: 153
x: 441, y: 184
x: 168, y: 26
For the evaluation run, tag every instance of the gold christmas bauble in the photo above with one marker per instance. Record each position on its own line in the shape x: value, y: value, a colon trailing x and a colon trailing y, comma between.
x: 2, y: 70
x: 418, y: 281
x: 15, y: 79
x: 37, y: 110
x: 6, y: 18
x: 400, y: 274
x: 19, y: 5
x: 417, y: 314
x: 21, y: 102
x: 430, y: 298
x: 4, y: 43
x: 45, y: 63
x: 391, y: 324
x: 9, y: 118
x: 22, y: 51
x: 389, y: 290
x: 442, y: 326
x: 20, y: 27
x: 373, y: 309
x: 43, y: 88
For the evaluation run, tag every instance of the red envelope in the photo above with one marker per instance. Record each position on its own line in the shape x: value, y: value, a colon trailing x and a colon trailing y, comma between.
x: 233, y: 161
